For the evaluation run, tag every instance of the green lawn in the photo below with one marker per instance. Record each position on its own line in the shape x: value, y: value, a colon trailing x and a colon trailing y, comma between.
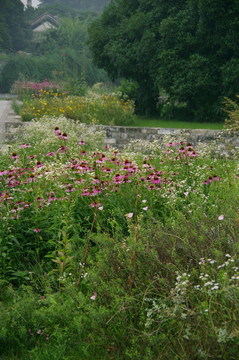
x: 157, y: 122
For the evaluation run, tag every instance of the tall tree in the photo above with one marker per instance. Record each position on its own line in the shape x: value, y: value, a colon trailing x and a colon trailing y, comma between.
x: 15, y: 31
x: 94, y: 5
x: 188, y: 49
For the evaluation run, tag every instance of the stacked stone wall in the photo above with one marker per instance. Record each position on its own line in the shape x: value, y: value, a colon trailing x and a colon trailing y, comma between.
x: 121, y: 136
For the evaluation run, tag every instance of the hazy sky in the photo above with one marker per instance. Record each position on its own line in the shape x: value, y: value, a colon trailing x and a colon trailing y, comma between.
x: 35, y: 3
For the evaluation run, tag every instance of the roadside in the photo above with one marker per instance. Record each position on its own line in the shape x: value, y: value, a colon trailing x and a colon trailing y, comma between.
x: 7, y: 115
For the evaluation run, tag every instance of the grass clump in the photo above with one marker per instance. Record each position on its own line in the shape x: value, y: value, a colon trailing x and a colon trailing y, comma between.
x: 116, y: 255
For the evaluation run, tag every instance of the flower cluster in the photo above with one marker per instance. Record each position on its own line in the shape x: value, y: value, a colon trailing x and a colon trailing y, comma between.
x: 90, y: 109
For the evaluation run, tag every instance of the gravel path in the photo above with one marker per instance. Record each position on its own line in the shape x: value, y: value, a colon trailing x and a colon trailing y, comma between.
x: 7, y: 115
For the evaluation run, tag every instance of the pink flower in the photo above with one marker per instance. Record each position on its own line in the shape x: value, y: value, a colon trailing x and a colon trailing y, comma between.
x: 57, y: 131
x: 94, y: 296
x: 37, y: 230
x: 14, y: 156
x: 25, y: 145
x: 63, y: 136
x: 130, y: 215
x: 186, y: 193
x: 62, y: 149
x: 50, y: 154
x: 100, y: 208
x: 95, y: 204
x: 145, y: 208
x: 221, y: 217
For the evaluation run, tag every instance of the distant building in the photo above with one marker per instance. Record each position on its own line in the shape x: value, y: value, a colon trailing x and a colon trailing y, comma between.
x: 44, y: 22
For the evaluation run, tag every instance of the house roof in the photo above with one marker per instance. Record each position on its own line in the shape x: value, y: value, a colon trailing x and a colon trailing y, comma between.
x: 44, y: 22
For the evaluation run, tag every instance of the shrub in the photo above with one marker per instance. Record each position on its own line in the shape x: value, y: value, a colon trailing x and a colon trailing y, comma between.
x: 232, y: 110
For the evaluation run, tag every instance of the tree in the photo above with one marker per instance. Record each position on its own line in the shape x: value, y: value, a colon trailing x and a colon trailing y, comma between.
x: 15, y: 32
x: 125, y: 40
x: 83, y: 5
x: 187, y: 49
x: 67, y: 44
x: 199, y: 58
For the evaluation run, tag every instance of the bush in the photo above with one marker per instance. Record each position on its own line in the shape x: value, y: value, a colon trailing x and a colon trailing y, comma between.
x: 232, y: 110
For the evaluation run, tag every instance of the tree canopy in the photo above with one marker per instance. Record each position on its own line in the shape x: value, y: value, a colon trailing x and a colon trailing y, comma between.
x: 15, y: 32
x: 187, y: 50
x: 82, y: 5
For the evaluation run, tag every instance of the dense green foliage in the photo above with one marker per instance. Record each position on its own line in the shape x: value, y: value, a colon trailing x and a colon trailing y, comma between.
x: 82, y: 5
x: 15, y: 32
x: 26, y: 67
x: 60, y: 55
x: 187, y: 51
x: 58, y: 9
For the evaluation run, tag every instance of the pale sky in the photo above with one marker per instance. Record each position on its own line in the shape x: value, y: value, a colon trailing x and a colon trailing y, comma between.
x: 35, y: 3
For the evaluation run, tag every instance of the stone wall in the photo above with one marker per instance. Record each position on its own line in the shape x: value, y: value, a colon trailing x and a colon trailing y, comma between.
x: 121, y: 136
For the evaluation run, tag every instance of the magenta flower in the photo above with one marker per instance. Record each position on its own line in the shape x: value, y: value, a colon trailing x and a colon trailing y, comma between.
x: 37, y: 230
x: 51, y: 153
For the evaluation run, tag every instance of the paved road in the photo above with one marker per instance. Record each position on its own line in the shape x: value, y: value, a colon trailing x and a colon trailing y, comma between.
x: 5, y: 108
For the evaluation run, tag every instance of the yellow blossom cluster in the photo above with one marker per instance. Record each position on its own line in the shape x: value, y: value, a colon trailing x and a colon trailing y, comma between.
x: 92, y: 108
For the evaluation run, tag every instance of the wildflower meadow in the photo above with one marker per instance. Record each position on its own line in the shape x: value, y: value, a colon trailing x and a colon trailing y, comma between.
x: 48, y: 99
x: 108, y: 254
